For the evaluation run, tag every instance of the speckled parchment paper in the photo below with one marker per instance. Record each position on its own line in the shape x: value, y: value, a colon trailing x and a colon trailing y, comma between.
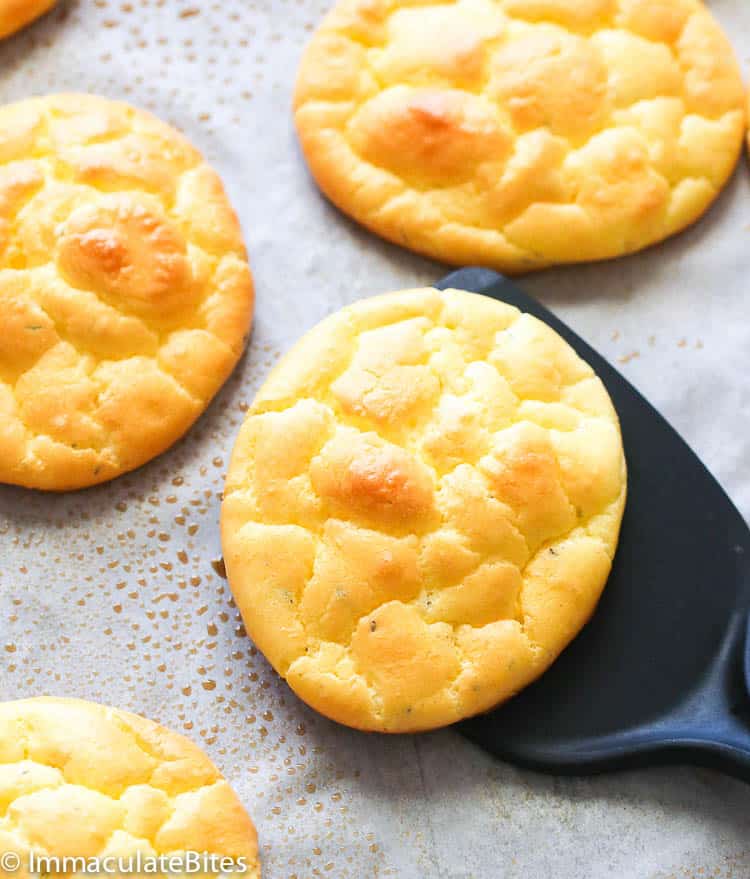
x: 116, y: 593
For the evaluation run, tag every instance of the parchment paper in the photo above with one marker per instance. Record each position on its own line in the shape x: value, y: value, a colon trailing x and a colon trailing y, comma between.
x: 110, y: 594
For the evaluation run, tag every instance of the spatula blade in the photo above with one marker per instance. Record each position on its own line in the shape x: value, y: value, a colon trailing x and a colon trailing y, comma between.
x: 658, y: 674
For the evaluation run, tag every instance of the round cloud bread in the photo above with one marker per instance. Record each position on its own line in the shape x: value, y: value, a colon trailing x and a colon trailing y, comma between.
x: 521, y: 133
x: 15, y: 14
x: 81, y: 780
x: 125, y: 293
x: 422, y: 507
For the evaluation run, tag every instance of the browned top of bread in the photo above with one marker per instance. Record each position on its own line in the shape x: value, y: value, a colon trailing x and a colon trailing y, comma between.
x: 521, y: 133
x: 422, y: 508
x: 81, y: 780
x: 125, y: 293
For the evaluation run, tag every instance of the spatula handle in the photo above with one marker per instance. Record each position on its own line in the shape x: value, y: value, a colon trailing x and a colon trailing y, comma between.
x: 712, y: 729
x: 728, y: 738
x: 731, y: 756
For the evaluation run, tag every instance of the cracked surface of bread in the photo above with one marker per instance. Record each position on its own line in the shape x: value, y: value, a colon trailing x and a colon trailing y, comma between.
x: 422, y: 507
x: 15, y: 14
x: 125, y: 293
x: 519, y: 134
x: 78, y: 779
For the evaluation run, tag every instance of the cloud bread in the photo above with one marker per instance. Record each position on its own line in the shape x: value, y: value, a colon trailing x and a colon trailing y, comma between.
x: 519, y: 134
x: 422, y: 508
x: 81, y: 780
x: 15, y: 14
x: 125, y: 293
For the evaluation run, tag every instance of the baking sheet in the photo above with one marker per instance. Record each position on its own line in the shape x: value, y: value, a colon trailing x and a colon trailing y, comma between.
x: 113, y: 594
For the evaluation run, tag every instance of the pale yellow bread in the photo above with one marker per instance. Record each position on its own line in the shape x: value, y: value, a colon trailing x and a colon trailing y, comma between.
x: 125, y: 292
x: 15, y: 14
x: 81, y: 780
x: 422, y: 508
x: 519, y: 134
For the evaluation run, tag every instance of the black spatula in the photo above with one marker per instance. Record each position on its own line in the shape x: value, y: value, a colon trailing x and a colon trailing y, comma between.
x: 661, y: 674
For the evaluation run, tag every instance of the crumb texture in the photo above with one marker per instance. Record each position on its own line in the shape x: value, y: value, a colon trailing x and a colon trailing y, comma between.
x: 125, y: 292
x: 15, y: 14
x: 422, y: 508
x: 81, y: 780
x: 521, y: 133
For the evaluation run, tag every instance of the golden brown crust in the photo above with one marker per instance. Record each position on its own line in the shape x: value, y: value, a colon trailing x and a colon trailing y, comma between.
x: 521, y: 133
x: 78, y: 779
x: 422, y: 507
x: 15, y: 14
x: 125, y: 292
